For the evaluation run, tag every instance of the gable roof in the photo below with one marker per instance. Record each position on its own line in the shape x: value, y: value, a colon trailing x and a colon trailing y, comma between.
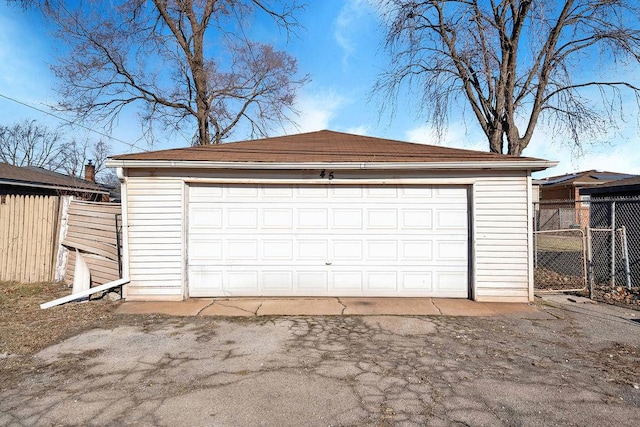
x: 590, y: 177
x: 318, y: 149
x: 31, y: 176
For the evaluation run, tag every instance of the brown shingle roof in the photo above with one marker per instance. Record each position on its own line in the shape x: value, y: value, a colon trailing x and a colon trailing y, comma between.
x: 619, y: 185
x: 584, y: 178
x: 32, y: 176
x: 321, y: 146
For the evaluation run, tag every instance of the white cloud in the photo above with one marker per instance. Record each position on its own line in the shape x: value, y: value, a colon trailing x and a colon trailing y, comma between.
x: 317, y: 109
x: 623, y: 156
x: 350, y: 23
x: 359, y: 130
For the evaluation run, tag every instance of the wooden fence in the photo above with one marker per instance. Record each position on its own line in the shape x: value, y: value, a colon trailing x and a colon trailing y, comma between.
x: 91, y: 228
x: 28, y: 237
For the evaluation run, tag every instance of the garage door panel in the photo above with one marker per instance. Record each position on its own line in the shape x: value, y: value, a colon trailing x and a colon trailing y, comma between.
x: 242, y: 218
x: 346, y: 192
x: 327, y: 240
x: 381, y: 281
x: 277, y: 218
x: 449, y: 219
x: 417, y: 281
x: 450, y: 193
x: 312, y: 218
x: 203, y: 250
x: 417, y: 250
x: 242, y: 192
x: 384, y: 192
x: 205, y: 280
x: 382, y: 250
x: 206, y: 217
x: 312, y: 192
x: 277, y: 192
x: 242, y: 280
x: 420, y: 192
x: 278, y: 250
x: 241, y: 249
x: 277, y: 281
x: 417, y: 219
x: 347, y: 250
x: 313, y: 282
x: 344, y: 281
x: 317, y: 250
x: 378, y: 218
x: 450, y: 280
x: 451, y: 250
x: 346, y: 218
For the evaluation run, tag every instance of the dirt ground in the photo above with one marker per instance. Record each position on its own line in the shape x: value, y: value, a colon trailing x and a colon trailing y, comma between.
x: 80, y: 364
x: 26, y: 329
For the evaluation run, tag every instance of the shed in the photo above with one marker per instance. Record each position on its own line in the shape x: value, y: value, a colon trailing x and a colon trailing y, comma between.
x: 327, y: 214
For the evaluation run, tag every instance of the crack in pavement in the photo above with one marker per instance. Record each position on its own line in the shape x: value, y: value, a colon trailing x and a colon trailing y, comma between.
x: 205, y: 307
x: 436, y: 306
x: 333, y: 370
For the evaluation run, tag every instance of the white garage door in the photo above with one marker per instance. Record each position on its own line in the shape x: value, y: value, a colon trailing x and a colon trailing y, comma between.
x: 333, y: 240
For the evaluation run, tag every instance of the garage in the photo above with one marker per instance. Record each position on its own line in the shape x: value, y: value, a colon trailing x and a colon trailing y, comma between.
x: 327, y: 240
x: 323, y: 214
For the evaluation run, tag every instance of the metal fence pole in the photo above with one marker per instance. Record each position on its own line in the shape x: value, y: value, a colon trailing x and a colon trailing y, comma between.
x: 535, y: 250
x: 589, y: 263
x: 625, y: 254
x: 613, y: 244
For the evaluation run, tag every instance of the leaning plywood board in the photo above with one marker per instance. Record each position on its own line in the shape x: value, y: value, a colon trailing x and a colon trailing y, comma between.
x: 86, y: 293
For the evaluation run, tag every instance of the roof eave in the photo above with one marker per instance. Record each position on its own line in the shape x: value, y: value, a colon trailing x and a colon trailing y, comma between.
x: 51, y: 187
x: 532, y: 165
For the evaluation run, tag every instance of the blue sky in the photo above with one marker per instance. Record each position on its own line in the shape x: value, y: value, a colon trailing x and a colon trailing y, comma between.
x: 339, y: 48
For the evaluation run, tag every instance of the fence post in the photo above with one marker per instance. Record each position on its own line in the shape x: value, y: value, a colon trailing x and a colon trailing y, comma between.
x: 613, y: 244
x: 535, y: 250
x: 589, y: 263
x: 625, y: 254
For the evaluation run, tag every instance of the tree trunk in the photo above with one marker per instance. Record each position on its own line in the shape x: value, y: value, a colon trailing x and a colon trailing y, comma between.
x: 495, y: 140
x: 203, y: 129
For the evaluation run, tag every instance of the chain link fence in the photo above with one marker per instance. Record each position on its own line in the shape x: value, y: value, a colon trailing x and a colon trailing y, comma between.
x: 560, y: 260
x: 590, y: 244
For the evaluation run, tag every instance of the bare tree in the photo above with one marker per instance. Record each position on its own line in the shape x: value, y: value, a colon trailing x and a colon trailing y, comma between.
x: 515, y: 62
x: 76, y: 154
x: 186, y: 63
x: 28, y: 143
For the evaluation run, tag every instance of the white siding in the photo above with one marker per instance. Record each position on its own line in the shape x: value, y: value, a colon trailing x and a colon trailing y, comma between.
x: 500, y: 242
x: 501, y: 239
x: 154, y: 215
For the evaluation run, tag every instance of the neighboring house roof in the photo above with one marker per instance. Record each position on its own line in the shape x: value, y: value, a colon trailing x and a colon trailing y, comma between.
x: 321, y: 148
x: 30, y: 176
x: 628, y: 185
x: 577, y: 179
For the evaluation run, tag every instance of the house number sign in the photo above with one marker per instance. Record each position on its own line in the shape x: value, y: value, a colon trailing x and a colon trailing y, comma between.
x: 324, y: 174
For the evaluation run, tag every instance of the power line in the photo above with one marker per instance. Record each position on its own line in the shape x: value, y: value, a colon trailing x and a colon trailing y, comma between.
x: 72, y: 123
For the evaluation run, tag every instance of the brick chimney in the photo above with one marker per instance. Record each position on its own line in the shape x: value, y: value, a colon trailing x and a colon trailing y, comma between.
x: 90, y: 172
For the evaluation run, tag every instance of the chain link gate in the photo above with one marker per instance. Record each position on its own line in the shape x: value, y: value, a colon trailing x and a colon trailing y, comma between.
x: 560, y: 262
x: 610, y: 231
